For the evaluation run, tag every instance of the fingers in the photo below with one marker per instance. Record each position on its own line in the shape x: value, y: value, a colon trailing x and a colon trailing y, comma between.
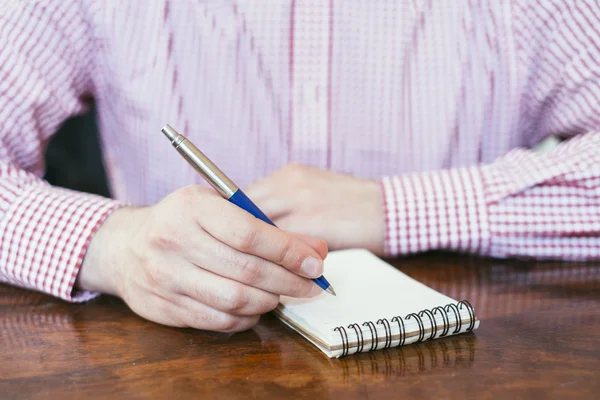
x: 278, y: 207
x: 243, y: 232
x: 271, y: 193
x: 201, y: 316
x: 251, y: 270
x: 319, y: 245
x: 197, y: 260
x: 224, y: 294
x: 273, y: 206
x: 261, y: 189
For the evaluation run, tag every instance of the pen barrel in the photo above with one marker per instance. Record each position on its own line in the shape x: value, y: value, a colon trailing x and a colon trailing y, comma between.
x: 202, y: 164
x: 241, y: 200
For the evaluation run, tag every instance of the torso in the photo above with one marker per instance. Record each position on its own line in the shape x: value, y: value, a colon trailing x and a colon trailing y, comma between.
x: 367, y: 88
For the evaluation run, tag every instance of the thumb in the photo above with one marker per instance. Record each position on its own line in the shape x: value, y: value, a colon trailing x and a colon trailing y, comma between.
x: 319, y: 245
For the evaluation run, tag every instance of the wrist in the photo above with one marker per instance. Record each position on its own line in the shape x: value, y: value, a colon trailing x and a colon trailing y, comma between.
x: 100, y: 269
x: 375, y: 217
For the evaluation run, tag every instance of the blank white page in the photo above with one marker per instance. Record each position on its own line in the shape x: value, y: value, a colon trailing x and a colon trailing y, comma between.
x: 367, y: 289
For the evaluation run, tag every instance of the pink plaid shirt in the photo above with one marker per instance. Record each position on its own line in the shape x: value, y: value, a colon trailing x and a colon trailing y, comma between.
x: 440, y: 101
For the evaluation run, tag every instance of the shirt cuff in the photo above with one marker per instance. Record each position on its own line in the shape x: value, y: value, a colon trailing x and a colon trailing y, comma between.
x: 44, y: 236
x: 436, y: 210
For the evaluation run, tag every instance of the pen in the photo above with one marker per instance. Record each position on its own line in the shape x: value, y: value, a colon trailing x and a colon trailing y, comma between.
x: 222, y: 184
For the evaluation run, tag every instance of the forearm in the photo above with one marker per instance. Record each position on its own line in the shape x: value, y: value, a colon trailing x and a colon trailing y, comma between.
x: 45, y: 232
x: 437, y: 210
x: 46, y: 70
x: 523, y: 205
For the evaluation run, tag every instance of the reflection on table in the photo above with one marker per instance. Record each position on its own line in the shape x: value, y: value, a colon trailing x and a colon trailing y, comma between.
x: 538, y: 338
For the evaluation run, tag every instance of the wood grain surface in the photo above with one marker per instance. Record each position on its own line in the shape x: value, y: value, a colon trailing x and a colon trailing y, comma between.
x: 539, y: 338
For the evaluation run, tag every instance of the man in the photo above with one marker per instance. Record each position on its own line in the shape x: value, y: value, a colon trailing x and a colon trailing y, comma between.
x: 396, y: 125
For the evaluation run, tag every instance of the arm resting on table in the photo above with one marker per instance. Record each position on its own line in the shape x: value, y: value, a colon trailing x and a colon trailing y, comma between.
x: 45, y: 66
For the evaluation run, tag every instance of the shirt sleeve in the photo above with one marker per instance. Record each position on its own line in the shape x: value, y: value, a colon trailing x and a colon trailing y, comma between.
x: 525, y: 204
x: 46, y: 63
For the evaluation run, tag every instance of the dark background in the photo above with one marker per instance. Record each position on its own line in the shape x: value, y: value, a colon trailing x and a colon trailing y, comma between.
x: 73, y: 157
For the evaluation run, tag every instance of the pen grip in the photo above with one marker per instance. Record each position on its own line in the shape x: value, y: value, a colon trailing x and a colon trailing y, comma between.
x: 242, y: 201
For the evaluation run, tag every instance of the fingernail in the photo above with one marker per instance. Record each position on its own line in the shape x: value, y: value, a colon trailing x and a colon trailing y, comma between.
x: 312, y: 267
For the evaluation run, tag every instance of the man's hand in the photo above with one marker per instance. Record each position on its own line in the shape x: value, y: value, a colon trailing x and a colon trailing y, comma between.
x: 196, y: 260
x: 344, y: 211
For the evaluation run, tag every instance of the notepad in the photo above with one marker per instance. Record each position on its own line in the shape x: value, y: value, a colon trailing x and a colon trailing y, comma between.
x: 376, y: 307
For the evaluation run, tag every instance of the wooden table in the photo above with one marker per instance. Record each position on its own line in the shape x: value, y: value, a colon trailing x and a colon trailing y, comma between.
x: 539, y: 338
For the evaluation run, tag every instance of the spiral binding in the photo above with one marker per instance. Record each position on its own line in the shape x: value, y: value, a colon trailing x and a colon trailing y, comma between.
x: 422, y: 318
x: 373, y: 330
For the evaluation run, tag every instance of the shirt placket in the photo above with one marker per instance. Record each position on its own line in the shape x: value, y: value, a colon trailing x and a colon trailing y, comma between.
x: 310, y: 75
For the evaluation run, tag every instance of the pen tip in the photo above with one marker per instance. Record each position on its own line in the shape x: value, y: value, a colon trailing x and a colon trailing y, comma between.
x: 330, y: 290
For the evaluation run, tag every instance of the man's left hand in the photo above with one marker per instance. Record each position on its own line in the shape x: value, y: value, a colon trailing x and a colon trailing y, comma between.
x: 345, y: 211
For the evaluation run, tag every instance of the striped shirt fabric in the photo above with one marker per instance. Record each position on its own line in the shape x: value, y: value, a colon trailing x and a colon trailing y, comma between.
x: 439, y: 101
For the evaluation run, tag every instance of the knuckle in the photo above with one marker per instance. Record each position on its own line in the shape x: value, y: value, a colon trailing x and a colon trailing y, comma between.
x: 249, y: 270
x: 247, y: 238
x: 285, y: 252
x: 189, y: 198
x: 188, y: 193
x: 236, y: 299
x: 198, y: 291
x: 225, y: 322
x: 161, y: 234
x: 155, y: 275
x: 197, y: 320
x: 200, y: 320
x: 158, y: 239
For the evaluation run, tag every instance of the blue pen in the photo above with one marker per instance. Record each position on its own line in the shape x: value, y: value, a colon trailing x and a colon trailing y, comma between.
x: 222, y: 184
